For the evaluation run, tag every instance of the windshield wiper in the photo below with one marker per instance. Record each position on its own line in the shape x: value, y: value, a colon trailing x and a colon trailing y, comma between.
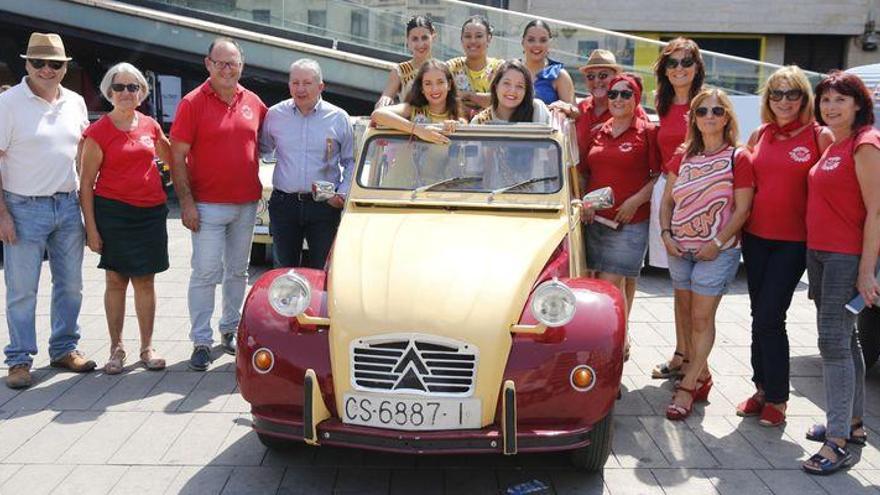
x: 450, y: 180
x: 520, y: 184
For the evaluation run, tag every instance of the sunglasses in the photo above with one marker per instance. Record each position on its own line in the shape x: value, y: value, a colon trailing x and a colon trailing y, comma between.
x: 219, y: 64
x: 790, y: 95
x: 673, y: 63
x: 119, y: 88
x: 601, y: 76
x: 716, y: 111
x: 37, y: 63
x: 623, y: 93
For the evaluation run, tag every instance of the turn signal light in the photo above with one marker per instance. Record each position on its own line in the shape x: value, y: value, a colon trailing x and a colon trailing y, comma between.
x: 263, y: 360
x: 583, y: 378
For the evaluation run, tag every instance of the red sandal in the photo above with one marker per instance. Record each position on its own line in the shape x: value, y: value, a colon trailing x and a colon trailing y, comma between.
x: 675, y: 412
x: 703, y: 388
x: 752, y: 406
x: 771, y: 416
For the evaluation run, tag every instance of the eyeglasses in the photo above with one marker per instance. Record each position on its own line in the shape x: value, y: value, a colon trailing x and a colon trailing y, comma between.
x: 716, y: 111
x: 790, y: 95
x: 601, y: 76
x: 623, y: 93
x: 219, y: 64
x: 119, y: 88
x: 37, y: 63
x: 673, y: 63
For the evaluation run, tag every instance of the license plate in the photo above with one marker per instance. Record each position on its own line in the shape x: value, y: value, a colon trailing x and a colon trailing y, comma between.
x: 396, y: 413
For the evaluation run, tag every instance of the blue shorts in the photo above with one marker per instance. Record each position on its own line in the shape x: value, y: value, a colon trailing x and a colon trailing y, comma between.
x: 707, y: 278
x: 620, y: 252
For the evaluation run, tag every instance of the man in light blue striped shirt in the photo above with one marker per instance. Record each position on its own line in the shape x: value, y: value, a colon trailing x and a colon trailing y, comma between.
x: 313, y: 141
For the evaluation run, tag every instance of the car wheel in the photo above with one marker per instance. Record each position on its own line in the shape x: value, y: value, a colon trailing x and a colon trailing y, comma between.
x: 869, y: 335
x: 593, y: 456
x: 276, y: 443
x: 258, y: 254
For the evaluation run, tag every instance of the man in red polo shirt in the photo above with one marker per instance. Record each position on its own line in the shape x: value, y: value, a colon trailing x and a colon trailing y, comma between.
x: 214, y: 143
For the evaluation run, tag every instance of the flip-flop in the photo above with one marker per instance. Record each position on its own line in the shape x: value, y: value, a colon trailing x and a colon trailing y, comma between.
x: 816, y: 433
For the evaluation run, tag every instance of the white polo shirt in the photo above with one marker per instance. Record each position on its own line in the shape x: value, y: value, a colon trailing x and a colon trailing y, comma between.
x: 39, y: 140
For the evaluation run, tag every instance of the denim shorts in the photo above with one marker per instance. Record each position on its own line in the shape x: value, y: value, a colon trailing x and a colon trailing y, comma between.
x: 707, y: 278
x: 620, y: 252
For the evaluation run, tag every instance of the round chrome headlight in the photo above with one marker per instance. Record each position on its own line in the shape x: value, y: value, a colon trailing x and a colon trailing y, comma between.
x: 290, y: 294
x: 553, y: 303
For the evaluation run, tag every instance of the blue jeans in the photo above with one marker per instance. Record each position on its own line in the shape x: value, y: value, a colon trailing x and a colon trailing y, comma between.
x: 221, y: 249
x: 41, y: 223
x: 833, y: 279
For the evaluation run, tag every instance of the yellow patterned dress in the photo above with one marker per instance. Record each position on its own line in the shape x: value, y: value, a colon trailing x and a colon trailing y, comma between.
x: 406, y: 72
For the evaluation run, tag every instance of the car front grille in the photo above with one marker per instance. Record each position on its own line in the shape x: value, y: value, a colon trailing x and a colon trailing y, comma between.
x: 414, y: 364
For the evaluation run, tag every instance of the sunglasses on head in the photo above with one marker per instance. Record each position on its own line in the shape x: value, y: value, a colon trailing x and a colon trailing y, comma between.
x: 623, y: 93
x: 673, y: 63
x: 601, y: 76
x: 37, y: 63
x: 716, y: 111
x: 119, y: 88
x: 790, y: 95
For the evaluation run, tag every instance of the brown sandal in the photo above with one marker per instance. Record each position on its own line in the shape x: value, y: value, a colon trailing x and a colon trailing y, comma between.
x: 116, y: 363
x: 151, y: 360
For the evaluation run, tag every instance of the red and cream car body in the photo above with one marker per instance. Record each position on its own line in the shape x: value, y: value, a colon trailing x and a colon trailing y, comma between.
x: 454, y: 315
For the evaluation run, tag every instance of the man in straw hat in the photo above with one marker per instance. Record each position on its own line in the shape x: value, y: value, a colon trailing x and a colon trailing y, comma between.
x: 40, y: 128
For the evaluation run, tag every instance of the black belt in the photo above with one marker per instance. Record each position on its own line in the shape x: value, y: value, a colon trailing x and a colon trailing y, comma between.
x: 299, y: 196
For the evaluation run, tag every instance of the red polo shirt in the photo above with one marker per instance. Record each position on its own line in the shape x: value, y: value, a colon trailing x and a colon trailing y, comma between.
x: 222, y: 161
x: 672, y: 132
x: 781, y: 167
x: 588, y: 123
x: 625, y: 163
x: 835, y: 210
x: 128, y: 173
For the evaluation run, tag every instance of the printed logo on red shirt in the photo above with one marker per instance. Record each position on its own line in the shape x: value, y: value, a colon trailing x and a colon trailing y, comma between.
x: 246, y: 112
x: 800, y: 154
x: 625, y: 147
x: 831, y: 163
x: 147, y: 141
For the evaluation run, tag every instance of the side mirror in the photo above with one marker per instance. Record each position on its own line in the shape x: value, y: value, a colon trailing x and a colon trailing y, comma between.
x: 599, y: 199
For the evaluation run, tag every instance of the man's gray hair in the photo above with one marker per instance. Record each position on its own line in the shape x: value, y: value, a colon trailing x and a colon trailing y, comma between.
x: 312, y: 65
x: 124, y: 68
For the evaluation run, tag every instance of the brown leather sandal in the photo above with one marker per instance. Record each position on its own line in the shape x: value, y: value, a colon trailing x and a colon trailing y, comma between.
x: 151, y: 360
x: 116, y: 363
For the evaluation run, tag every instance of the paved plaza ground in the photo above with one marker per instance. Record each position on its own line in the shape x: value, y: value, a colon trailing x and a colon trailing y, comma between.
x: 179, y: 431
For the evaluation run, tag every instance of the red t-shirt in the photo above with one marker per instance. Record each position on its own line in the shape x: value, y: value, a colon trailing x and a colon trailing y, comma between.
x: 222, y: 161
x: 835, y: 210
x: 703, y: 193
x: 128, y: 172
x: 781, y: 167
x: 672, y: 132
x: 625, y: 163
x: 587, y: 124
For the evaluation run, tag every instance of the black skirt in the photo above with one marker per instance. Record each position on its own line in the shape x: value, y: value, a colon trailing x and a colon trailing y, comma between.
x: 135, y: 238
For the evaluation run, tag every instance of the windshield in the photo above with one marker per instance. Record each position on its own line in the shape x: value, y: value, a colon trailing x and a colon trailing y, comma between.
x: 484, y: 164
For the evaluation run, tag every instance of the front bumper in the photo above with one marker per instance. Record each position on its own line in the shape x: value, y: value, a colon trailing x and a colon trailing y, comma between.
x: 483, y: 441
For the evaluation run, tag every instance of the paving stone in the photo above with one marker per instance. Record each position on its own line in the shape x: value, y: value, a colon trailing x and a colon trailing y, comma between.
x: 241, y: 447
x: 872, y: 476
x: 52, y: 440
x: 736, y: 481
x: 849, y: 482
x: 631, y: 402
x: 631, y: 482
x: 470, y: 481
x: 48, y: 386
x: 298, y: 454
x: 139, y: 480
x: 7, y: 470
x: 36, y: 479
x: 236, y: 403
x: 253, y: 480
x: 633, y: 445
x: 86, y: 392
x: 199, y: 442
x: 126, y: 395
x: 20, y: 427
x: 362, y: 481
x: 210, y: 394
x: 780, y: 450
x: 423, y: 482
x: 678, y: 443
x: 95, y: 480
x: 578, y: 483
x: 299, y: 480
x: 684, y: 481
x: 790, y: 482
x: 6, y: 393
x: 200, y: 480
x: 509, y: 478
x: 106, y: 435
x: 170, y: 392
x: 152, y: 439
x: 720, y: 436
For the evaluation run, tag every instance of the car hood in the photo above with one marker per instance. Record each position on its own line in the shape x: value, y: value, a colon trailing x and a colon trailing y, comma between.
x: 463, y: 275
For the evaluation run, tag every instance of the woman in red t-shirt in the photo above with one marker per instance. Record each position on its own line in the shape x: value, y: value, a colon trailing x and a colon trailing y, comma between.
x: 623, y: 155
x: 123, y: 204
x: 680, y: 74
x: 843, y: 241
x: 774, y: 247
x: 705, y: 204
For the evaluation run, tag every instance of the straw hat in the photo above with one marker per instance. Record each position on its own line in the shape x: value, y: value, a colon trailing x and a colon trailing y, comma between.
x: 601, y: 59
x: 45, y: 47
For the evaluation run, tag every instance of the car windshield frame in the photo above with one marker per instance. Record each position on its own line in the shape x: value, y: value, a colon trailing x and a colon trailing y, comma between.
x: 546, y: 142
